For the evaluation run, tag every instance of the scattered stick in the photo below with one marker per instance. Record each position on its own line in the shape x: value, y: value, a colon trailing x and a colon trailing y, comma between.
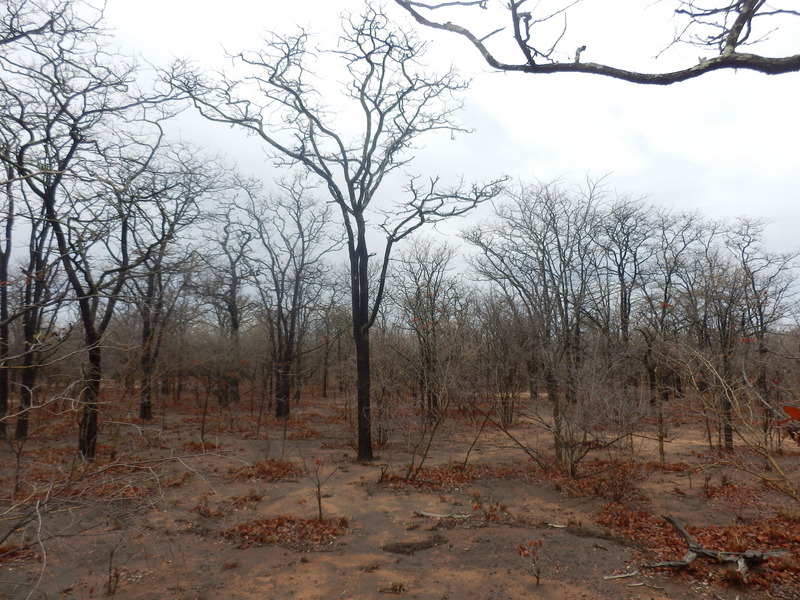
x: 621, y: 575
x: 430, y: 515
x: 642, y: 584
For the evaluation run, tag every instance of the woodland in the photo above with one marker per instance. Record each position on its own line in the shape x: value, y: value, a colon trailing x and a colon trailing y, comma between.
x: 217, y: 386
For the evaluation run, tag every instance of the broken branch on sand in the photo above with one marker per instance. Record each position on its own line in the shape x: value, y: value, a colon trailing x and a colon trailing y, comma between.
x: 742, y: 562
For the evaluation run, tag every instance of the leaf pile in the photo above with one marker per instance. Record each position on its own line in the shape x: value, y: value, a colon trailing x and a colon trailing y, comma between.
x: 453, y: 476
x: 615, y: 481
x: 304, y: 434
x: 301, y: 535
x: 676, y: 467
x: 200, y: 447
x: 736, y: 494
x: 268, y: 470
x: 641, y: 526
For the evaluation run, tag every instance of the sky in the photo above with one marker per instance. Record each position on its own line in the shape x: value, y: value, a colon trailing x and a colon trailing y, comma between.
x: 726, y: 144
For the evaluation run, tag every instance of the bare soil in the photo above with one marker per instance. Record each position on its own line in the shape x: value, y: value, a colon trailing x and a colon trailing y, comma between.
x: 236, y: 515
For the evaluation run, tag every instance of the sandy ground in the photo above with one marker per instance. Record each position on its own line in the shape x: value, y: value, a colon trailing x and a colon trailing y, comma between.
x: 155, y: 532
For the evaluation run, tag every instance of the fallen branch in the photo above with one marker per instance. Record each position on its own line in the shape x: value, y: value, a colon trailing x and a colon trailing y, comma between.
x: 649, y: 585
x: 621, y: 575
x: 741, y: 561
x: 430, y: 515
x: 409, y: 548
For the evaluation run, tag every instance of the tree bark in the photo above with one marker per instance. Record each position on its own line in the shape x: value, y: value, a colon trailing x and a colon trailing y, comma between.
x: 88, y: 429
x: 146, y: 361
x: 363, y: 385
x: 27, y: 382
x: 5, y: 258
x: 283, y: 385
x: 4, y: 332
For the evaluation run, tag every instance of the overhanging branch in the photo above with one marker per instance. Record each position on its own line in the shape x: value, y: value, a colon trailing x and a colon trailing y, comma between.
x: 728, y: 59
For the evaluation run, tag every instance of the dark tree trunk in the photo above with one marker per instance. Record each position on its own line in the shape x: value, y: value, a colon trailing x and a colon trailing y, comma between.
x: 363, y: 383
x: 5, y: 258
x: 359, y: 282
x: 283, y: 388
x: 553, y: 395
x: 88, y: 429
x: 430, y: 391
x: 146, y: 364
x: 146, y: 393
x: 27, y: 382
x: 31, y: 323
x: 325, y: 370
x: 727, y: 405
x: 5, y: 371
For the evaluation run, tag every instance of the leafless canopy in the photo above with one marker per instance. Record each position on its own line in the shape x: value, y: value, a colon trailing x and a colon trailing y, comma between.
x: 721, y: 28
x: 33, y: 19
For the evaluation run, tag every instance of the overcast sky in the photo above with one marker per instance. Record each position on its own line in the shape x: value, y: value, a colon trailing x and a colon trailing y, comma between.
x: 727, y: 144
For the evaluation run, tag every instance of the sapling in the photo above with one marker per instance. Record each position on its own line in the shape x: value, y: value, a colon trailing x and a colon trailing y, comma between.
x: 491, y: 510
x: 314, y: 473
x: 532, y: 551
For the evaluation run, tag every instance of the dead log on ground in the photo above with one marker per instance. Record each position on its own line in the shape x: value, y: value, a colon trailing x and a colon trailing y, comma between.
x: 741, y: 562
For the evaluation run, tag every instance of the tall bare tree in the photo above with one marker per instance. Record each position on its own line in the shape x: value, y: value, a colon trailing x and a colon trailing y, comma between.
x: 42, y: 292
x: 431, y: 302
x: 222, y: 285
x: 291, y: 228
x: 541, y: 252
x: 23, y: 23
x: 175, y: 185
x: 659, y: 324
x: 769, y: 284
x: 391, y: 102
x: 8, y: 209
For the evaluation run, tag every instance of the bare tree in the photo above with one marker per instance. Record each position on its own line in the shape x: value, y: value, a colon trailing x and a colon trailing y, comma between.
x: 720, y: 28
x: 431, y: 302
x: 80, y: 145
x: 222, y: 286
x: 712, y: 302
x: 22, y: 23
x: 541, y: 253
x: 505, y: 353
x: 42, y: 294
x: 659, y: 324
x: 291, y: 228
x: 392, y: 101
x: 5, y: 260
x: 769, y: 289
x: 625, y: 229
x: 177, y: 182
